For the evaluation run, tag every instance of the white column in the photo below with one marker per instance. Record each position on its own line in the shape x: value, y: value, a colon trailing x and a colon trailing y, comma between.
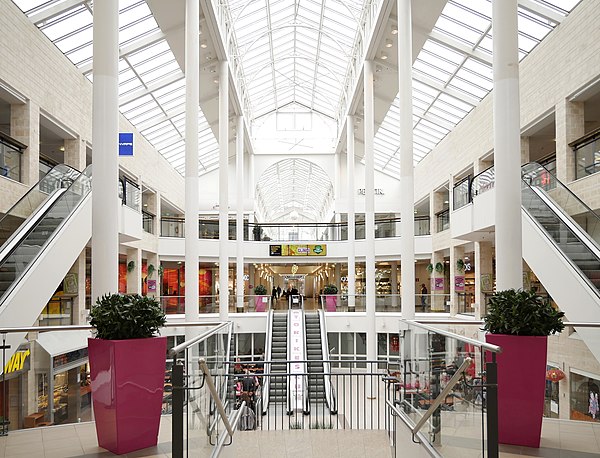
x: 351, y: 214
x: 407, y: 188
x: 239, y: 182
x: 370, y: 210
x: 223, y: 190
x: 105, y: 130
x: 192, y: 183
x: 507, y: 145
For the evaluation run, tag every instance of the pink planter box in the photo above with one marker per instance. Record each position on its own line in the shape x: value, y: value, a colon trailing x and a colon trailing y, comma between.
x: 521, y: 387
x: 331, y: 303
x: 127, y: 387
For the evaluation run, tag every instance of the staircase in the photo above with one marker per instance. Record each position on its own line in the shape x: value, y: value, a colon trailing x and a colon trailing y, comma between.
x: 278, y: 384
x: 314, y: 355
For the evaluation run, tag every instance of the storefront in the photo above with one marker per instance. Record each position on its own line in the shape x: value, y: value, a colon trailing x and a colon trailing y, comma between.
x: 62, y: 378
x: 12, y: 385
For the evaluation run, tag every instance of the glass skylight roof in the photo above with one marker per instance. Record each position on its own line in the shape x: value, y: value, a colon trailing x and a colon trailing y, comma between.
x: 294, y: 186
x: 453, y: 71
x: 296, y: 53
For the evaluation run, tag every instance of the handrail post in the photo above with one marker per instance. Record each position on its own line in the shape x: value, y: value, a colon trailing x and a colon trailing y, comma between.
x: 491, y: 384
x: 178, y: 402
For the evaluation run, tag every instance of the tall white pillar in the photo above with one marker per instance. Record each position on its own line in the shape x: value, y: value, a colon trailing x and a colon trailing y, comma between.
x: 407, y: 188
x: 192, y: 182
x: 351, y: 212
x: 223, y: 190
x: 105, y: 130
x: 507, y: 145
x: 239, y: 228
x: 369, y: 101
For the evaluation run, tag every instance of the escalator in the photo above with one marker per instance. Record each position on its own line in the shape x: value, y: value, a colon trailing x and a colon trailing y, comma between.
x: 41, y: 235
x: 314, y: 355
x: 278, y: 389
x: 559, y: 246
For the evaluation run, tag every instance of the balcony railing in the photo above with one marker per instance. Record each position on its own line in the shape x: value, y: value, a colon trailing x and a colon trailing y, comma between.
x: 292, y: 232
x: 443, y: 220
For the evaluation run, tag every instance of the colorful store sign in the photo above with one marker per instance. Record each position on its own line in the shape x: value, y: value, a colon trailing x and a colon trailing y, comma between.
x: 459, y: 283
x: 19, y: 362
x: 298, y: 250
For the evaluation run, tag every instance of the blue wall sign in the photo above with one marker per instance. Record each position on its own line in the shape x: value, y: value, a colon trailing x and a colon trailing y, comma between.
x: 125, y: 143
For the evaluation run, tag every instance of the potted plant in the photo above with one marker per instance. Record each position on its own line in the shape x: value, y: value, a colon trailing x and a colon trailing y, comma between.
x: 520, y: 322
x: 260, y: 297
x: 330, y: 293
x: 127, y: 365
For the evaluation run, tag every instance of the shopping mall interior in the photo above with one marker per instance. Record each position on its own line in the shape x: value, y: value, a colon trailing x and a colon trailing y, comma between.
x: 381, y: 167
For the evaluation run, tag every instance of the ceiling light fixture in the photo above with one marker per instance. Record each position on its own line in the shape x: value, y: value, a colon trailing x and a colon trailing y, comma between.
x: 388, y: 43
x: 394, y: 30
x: 384, y: 56
x: 203, y: 44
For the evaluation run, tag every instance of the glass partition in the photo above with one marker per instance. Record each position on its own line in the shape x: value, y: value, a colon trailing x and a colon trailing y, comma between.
x: 10, y: 162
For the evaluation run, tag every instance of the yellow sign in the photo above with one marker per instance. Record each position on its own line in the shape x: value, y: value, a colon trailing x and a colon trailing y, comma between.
x: 17, y: 361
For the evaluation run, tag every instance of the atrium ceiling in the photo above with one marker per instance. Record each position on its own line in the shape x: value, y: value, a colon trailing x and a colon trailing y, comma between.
x: 296, y: 53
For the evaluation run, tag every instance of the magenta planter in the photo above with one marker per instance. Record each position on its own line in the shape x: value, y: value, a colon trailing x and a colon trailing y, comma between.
x: 331, y: 303
x: 260, y: 302
x: 127, y: 387
x: 521, y: 387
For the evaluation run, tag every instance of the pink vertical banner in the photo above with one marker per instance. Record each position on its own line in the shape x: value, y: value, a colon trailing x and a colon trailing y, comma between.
x: 439, y: 284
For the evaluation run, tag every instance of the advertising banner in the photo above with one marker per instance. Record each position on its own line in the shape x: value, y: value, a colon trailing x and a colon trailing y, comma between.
x: 298, y: 250
x: 459, y: 283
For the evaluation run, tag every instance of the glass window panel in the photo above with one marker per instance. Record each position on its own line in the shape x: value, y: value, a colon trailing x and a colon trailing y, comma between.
x: 69, y: 24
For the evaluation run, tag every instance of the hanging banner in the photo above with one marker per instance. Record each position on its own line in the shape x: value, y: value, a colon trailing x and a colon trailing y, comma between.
x: 296, y: 349
x: 126, y: 144
x: 438, y: 284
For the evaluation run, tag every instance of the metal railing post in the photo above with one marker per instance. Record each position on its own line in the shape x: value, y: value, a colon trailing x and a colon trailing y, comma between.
x: 491, y: 384
x: 177, y: 416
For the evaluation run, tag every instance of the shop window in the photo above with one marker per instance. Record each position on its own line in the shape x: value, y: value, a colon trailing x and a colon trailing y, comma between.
x: 585, y: 390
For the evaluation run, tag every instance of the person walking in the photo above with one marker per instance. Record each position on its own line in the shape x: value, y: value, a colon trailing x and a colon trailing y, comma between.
x: 423, y: 296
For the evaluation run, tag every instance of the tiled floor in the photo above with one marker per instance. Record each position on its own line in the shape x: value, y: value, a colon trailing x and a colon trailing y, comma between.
x: 560, y: 439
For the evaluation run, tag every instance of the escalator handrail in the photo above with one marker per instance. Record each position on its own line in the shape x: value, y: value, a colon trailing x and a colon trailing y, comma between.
x: 305, y: 390
x: 267, y: 362
x: 329, y: 392
x: 562, y: 185
x: 29, y: 224
x: 35, y: 187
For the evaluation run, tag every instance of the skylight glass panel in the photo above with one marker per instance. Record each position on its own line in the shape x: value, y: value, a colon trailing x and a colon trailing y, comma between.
x: 74, y: 21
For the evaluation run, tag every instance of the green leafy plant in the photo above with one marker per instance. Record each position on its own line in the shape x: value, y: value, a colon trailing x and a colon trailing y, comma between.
x: 330, y: 289
x: 522, y: 313
x: 130, y: 266
x: 151, y: 269
x: 439, y: 267
x: 260, y: 290
x: 460, y: 265
x: 430, y: 268
x: 120, y: 317
x: 160, y: 271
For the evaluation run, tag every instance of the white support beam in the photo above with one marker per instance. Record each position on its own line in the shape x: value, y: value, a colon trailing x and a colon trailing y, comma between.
x: 541, y: 10
x: 55, y: 10
x: 460, y: 47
